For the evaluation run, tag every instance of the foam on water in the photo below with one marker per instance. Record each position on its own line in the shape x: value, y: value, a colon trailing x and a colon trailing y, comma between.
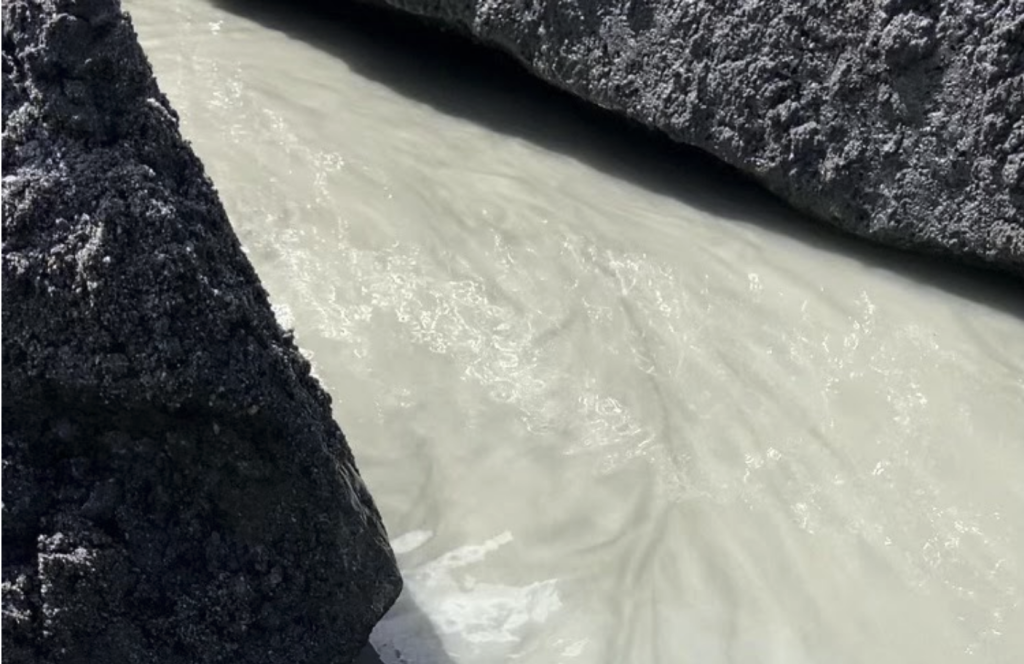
x: 473, y: 618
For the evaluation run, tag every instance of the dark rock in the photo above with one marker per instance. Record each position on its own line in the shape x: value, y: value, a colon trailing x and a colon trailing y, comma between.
x: 901, y: 121
x: 174, y: 487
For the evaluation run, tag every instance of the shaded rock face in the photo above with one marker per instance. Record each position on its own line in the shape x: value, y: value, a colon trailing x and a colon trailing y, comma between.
x: 174, y: 487
x: 901, y: 121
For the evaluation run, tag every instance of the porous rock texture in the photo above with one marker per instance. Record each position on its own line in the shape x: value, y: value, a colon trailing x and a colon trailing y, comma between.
x: 901, y: 121
x: 174, y: 487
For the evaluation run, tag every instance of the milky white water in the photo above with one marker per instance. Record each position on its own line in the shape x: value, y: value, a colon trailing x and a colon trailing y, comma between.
x: 614, y: 408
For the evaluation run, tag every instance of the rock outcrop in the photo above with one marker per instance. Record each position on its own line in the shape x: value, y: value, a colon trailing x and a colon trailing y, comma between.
x: 174, y: 486
x: 901, y: 121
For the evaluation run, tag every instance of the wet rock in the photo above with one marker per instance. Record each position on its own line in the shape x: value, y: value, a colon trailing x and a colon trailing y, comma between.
x: 901, y: 121
x: 174, y: 487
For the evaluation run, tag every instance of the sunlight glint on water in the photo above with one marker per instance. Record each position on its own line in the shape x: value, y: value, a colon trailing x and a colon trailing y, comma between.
x: 606, y: 421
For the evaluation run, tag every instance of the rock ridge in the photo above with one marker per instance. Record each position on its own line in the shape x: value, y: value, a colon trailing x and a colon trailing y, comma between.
x: 900, y: 121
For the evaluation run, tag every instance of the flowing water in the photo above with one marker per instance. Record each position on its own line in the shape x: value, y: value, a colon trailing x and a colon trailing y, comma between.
x: 614, y: 405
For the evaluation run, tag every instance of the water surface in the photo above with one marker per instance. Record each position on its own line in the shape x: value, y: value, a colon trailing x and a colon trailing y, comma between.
x: 614, y: 405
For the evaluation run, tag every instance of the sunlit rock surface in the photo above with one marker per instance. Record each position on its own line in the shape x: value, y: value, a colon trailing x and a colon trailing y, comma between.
x: 901, y: 121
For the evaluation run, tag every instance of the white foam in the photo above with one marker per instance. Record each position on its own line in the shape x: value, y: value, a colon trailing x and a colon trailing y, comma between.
x: 446, y: 612
x: 410, y: 541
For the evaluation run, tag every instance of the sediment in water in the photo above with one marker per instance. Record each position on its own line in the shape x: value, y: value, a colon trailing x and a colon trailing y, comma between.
x: 174, y: 486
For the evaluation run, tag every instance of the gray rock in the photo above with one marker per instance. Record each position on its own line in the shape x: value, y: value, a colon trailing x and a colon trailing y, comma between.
x: 174, y: 486
x: 901, y: 121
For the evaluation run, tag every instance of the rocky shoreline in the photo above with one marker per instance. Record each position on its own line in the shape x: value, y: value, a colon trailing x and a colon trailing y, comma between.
x: 900, y: 121
x: 174, y: 486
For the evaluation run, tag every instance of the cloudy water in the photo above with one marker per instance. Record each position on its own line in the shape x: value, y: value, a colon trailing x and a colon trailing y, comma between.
x: 614, y: 406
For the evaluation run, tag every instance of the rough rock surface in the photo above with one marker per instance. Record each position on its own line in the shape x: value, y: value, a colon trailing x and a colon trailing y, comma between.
x: 901, y: 121
x: 174, y: 487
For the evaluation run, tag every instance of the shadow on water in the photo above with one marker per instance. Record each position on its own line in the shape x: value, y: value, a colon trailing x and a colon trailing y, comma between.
x: 407, y: 623
x: 459, y: 78
x: 368, y: 656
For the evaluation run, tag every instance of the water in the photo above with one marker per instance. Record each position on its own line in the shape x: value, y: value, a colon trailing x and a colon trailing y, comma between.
x: 614, y: 405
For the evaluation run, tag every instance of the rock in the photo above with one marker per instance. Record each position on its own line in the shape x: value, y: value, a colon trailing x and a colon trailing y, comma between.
x: 174, y: 486
x: 901, y: 121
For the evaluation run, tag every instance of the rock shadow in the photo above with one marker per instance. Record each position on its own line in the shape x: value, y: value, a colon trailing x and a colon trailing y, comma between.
x: 409, y: 638
x: 458, y: 77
